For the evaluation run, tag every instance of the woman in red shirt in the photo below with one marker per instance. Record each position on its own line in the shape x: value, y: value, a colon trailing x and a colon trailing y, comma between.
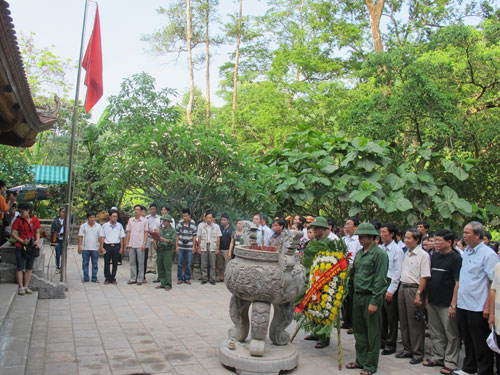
x: 24, y: 229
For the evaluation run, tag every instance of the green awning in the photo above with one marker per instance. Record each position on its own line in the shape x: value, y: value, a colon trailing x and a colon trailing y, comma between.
x: 48, y: 175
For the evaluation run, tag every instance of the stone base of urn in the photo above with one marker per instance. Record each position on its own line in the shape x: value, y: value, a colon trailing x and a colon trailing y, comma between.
x: 274, y: 360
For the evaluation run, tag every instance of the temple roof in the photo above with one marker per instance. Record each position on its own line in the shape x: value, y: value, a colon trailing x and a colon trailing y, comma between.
x: 20, y: 119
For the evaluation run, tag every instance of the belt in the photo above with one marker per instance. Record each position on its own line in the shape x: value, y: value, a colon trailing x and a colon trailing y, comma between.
x: 409, y: 285
x: 112, y: 244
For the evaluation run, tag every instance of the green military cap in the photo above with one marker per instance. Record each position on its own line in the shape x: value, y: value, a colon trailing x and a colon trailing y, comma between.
x: 320, y: 222
x: 366, y: 228
x: 166, y: 217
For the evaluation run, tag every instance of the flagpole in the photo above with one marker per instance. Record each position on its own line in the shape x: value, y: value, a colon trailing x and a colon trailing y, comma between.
x: 67, y: 212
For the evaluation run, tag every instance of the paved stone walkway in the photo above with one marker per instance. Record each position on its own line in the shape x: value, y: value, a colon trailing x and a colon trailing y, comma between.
x: 124, y: 329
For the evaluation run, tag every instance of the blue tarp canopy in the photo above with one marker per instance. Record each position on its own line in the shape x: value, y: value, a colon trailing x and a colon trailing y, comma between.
x: 48, y: 175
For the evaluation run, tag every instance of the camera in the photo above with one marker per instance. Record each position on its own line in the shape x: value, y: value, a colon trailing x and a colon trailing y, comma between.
x: 418, y: 316
x: 185, y: 242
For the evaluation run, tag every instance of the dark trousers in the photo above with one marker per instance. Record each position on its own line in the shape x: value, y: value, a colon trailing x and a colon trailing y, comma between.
x: 474, y: 330
x: 411, y: 321
x: 390, y: 319
x: 146, y: 253
x: 347, y: 309
x: 111, y: 256
x: 59, y: 247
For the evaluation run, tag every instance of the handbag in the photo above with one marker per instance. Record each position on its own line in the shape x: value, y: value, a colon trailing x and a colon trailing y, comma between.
x: 31, y: 250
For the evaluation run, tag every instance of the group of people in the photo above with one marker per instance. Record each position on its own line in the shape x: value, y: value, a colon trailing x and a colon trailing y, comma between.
x: 450, y: 291
x: 153, y: 240
x: 400, y: 281
x: 20, y: 225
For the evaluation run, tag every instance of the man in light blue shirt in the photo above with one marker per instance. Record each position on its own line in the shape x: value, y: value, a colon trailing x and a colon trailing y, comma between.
x: 388, y: 232
x: 266, y: 231
x: 262, y: 230
x: 478, y: 269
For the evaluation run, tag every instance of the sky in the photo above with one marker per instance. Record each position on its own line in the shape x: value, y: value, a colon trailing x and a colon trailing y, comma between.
x: 57, y: 24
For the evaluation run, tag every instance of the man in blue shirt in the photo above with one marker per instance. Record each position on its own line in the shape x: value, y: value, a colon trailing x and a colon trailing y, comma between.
x: 478, y: 269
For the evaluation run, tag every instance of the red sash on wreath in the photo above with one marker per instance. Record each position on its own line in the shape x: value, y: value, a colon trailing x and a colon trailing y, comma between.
x: 324, y: 279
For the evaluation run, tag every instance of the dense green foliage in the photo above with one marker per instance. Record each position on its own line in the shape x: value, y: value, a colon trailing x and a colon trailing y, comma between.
x: 324, y: 125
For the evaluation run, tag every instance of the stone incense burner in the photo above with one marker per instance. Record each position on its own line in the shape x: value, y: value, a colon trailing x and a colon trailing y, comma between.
x: 259, y: 277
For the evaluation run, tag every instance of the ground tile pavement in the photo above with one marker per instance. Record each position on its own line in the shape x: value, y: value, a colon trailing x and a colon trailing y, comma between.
x: 124, y: 329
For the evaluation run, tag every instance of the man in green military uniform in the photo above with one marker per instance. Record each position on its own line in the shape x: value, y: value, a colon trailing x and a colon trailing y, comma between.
x: 320, y: 227
x: 370, y: 283
x: 166, y: 246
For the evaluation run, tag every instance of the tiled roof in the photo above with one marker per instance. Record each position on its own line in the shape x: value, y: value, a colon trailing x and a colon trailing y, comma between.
x: 20, y: 121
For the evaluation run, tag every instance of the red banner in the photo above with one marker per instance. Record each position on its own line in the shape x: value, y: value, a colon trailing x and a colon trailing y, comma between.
x: 92, y: 63
x: 324, y: 279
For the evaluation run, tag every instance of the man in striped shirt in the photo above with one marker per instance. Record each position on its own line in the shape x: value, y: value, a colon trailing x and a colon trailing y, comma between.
x: 185, y: 246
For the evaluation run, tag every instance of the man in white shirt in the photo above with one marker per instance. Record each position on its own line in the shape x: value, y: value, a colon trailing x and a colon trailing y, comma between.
x: 209, y: 235
x: 415, y: 272
x: 331, y: 234
x: 154, y: 223
x: 111, y: 240
x: 257, y: 220
x: 88, y: 246
x: 352, y: 242
x: 389, y: 335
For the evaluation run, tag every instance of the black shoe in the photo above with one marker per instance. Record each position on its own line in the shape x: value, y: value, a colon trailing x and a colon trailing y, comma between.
x: 415, y: 361
x: 404, y: 355
x: 156, y: 281
x: 203, y: 282
x: 212, y: 282
x: 388, y: 352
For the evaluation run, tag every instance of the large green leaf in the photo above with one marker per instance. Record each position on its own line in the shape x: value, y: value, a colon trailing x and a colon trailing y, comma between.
x: 454, y: 169
x: 404, y: 204
x: 394, y: 181
x: 330, y: 168
x: 354, y: 210
x: 425, y: 176
x: 493, y: 209
x: 359, y: 196
x: 463, y: 205
x: 366, y: 164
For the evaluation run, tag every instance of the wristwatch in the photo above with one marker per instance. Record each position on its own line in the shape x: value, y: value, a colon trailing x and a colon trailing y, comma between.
x: 418, y: 292
x: 453, y: 306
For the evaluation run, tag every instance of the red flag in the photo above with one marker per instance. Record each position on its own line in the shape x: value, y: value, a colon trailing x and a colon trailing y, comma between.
x: 92, y: 63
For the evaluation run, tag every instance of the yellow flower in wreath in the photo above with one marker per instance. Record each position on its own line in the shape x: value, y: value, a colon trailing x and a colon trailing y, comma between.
x: 326, y: 289
x: 337, y: 303
x: 342, y: 275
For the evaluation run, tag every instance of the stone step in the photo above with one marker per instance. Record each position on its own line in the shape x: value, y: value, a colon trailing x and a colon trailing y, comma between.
x: 8, y: 293
x: 15, y: 339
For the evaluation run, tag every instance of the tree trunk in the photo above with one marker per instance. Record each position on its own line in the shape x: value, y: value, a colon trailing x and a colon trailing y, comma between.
x: 236, y: 62
x: 207, y: 51
x: 189, y: 34
x: 375, y: 11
